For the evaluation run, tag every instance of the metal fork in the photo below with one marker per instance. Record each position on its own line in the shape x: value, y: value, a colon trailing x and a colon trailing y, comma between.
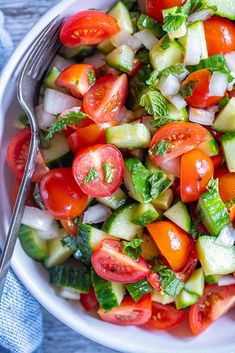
x: 42, y: 52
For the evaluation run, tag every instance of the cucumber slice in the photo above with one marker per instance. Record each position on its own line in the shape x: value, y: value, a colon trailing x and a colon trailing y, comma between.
x: 106, y: 46
x: 51, y: 77
x: 163, y: 201
x: 185, y: 299
x: 215, y: 259
x: 58, y: 253
x: 116, y: 200
x: 138, y: 289
x: 121, y: 14
x: 146, y: 22
x: 209, y: 147
x: 228, y: 145
x: 34, y: 246
x: 148, y: 248
x: 162, y: 298
x: 196, y: 282
x: 225, y: 120
x: 119, y: 223
x: 121, y: 58
x: 71, y: 276
x: 145, y: 214
x: 133, y: 135
x: 225, y: 8
x: 160, y: 58
x: 108, y: 294
x: 179, y: 214
x: 212, y: 279
x: 78, y: 52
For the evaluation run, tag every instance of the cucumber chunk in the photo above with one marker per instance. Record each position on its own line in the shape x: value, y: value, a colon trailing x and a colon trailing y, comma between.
x: 225, y: 120
x: 228, y: 145
x: 145, y: 214
x: 119, y: 224
x: 212, y: 279
x: 106, y: 46
x: 121, y: 58
x: 225, y: 8
x: 196, y: 282
x: 146, y: 22
x: 133, y: 135
x: 108, y: 294
x: 148, y: 248
x: 209, y: 147
x: 34, y: 246
x: 51, y: 77
x: 116, y: 200
x: 138, y: 289
x: 163, y: 201
x: 121, y: 14
x: 185, y: 299
x: 58, y: 253
x: 215, y: 259
x: 77, y: 53
x: 162, y: 298
x: 182, y: 30
x: 179, y: 214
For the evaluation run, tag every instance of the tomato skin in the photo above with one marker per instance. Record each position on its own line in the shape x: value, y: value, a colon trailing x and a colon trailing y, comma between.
x: 95, y: 157
x: 61, y: 195
x: 196, y: 171
x: 111, y: 264
x: 165, y: 317
x: 104, y: 101
x: 215, y: 302
x: 190, y: 264
x: 217, y: 160
x: 227, y: 186
x: 166, y: 235
x: 17, y: 154
x: 70, y: 227
x: 137, y: 65
x: 129, y: 312
x: 154, y: 7
x: 182, y: 136
x: 154, y: 280
x: 224, y: 31
x: 87, y: 28
x: 75, y: 79
x: 200, y: 95
x: 88, y: 300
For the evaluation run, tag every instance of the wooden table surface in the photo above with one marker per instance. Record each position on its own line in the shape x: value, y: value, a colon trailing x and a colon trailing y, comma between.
x: 20, y: 15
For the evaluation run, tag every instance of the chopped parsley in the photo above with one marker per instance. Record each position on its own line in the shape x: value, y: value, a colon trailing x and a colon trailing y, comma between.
x: 161, y: 148
x: 132, y: 248
x: 169, y: 282
x: 108, y: 172
x: 71, y: 118
x: 154, y: 103
x: 91, y: 77
x: 92, y: 175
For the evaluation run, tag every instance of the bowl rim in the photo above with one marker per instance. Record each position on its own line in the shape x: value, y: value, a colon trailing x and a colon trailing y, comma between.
x: 10, y: 70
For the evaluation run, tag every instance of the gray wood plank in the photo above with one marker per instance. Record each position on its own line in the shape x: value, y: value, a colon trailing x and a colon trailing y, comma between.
x: 20, y: 16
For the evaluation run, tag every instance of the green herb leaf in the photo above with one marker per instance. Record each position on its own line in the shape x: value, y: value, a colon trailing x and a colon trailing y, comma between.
x: 223, y: 102
x: 161, y: 148
x: 23, y: 119
x: 213, y: 186
x: 172, y: 70
x: 153, y: 80
x: 154, y: 103
x: 169, y: 282
x: 108, y: 172
x: 143, y: 56
x: 173, y: 21
x: 91, y: 77
x: 188, y: 88
x: 160, y: 121
x: 158, y: 182
x: 72, y: 118
x: 37, y: 197
x: 146, y: 22
x: 92, y: 175
x: 132, y: 248
x: 44, y: 142
x: 165, y: 42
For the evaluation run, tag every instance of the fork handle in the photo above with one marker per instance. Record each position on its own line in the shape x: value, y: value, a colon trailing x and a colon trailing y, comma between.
x: 18, y: 212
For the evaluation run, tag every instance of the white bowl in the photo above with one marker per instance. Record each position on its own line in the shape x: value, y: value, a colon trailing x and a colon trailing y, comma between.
x: 218, y: 338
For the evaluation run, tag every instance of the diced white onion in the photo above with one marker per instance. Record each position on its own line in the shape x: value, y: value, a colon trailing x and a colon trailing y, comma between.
x: 61, y: 63
x: 230, y: 60
x: 226, y: 280
x: 193, y: 53
x: 96, y: 214
x: 123, y: 37
x: 178, y: 101
x: 68, y: 293
x: 146, y: 38
x: 44, y: 119
x: 142, y: 5
x: 218, y: 84
x: 226, y: 236
x: 146, y: 120
x: 200, y: 15
x: 182, y: 76
x: 56, y: 102
x: 50, y: 233
x: 214, y: 109
x: 169, y: 86
x: 201, y: 116
x: 97, y: 60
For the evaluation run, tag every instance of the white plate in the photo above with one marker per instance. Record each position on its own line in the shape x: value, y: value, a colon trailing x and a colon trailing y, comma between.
x: 218, y: 338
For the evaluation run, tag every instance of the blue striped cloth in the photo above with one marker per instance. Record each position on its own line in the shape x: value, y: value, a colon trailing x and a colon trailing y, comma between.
x: 20, y: 314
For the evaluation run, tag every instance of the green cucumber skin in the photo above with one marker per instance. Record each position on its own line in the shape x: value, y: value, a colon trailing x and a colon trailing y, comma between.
x: 77, y: 277
x: 212, y: 279
x: 138, y: 289
x: 84, y: 252
x: 78, y: 52
x: 228, y: 145
x: 61, y: 162
x: 185, y: 299
x: 146, y: 218
x: 179, y: 214
x: 35, y: 247
x: 116, y: 200
x: 51, y: 77
x: 121, y: 58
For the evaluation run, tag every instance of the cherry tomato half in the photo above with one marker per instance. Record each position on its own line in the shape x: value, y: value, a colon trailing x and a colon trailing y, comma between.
x: 181, y: 138
x: 111, y: 264
x: 215, y: 302
x: 227, y: 186
x: 172, y: 241
x: 220, y: 35
x: 129, y: 312
x: 87, y: 28
x: 99, y: 170
x: 190, y: 263
x: 61, y: 195
x: 69, y: 226
x: 104, y: 101
x: 154, y: 7
x: 88, y: 300
x: 165, y: 317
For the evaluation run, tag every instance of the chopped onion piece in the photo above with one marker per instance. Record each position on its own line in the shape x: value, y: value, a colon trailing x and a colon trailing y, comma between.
x: 97, y: 60
x: 44, y: 119
x: 214, y: 109
x: 61, y: 63
x: 194, y: 50
x: 51, y: 232
x: 178, y: 101
x: 230, y: 60
x: 218, y: 84
x: 96, y: 214
x: 169, y: 86
x: 123, y: 37
x: 200, y: 15
x: 68, y: 293
x: 56, y: 102
x: 226, y: 280
x: 146, y: 38
x: 201, y: 116
x: 226, y: 236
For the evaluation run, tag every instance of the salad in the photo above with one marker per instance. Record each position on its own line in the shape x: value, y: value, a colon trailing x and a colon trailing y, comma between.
x: 132, y: 204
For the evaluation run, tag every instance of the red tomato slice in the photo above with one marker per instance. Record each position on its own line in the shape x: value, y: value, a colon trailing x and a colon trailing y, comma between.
x: 17, y: 154
x: 111, y: 264
x: 87, y: 28
x: 165, y: 317
x: 190, y: 264
x: 227, y: 186
x: 155, y: 281
x: 88, y: 300
x: 91, y: 173
x: 218, y: 160
x: 77, y: 79
x: 182, y: 137
x: 154, y: 7
x: 215, y: 302
x: 104, y: 101
x: 129, y: 312
x: 70, y: 227
x: 88, y: 136
x: 137, y: 65
x: 61, y: 195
